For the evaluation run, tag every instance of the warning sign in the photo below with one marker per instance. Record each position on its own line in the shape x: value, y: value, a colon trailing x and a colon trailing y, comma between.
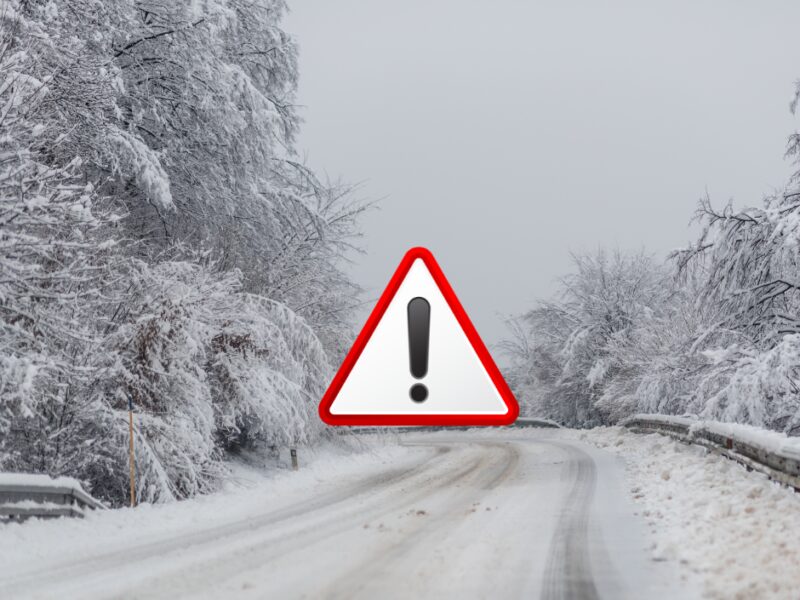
x: 418, y: 360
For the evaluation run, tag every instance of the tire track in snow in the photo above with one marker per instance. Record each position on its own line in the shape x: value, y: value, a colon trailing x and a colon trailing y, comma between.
x: 568, y: 574
x: 477, y: 515
x: 490, y: 472
x: 377, y: 505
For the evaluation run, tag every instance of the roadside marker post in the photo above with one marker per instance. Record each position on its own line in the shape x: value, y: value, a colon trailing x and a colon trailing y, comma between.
x: 131, y: 455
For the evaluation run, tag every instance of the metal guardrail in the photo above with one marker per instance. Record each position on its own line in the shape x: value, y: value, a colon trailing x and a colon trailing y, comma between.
x: 531, y: 422
x: 781, y: 465
x: 20, y: 501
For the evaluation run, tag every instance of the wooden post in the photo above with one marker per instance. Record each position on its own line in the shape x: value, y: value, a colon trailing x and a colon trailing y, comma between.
x: 293, y: 454
x: 132, y: 456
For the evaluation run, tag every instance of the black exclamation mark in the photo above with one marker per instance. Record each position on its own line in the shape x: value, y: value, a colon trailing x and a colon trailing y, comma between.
x: 419, y: 329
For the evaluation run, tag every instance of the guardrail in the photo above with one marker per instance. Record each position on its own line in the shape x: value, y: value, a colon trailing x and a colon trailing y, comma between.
x: 23, y: 496
x: 768, y: 452
x: 531, y: 422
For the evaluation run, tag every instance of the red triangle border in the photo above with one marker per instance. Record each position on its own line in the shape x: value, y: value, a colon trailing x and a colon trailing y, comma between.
x: 390, y: 420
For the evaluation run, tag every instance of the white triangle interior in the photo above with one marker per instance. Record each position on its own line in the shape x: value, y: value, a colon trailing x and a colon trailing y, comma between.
x: 380, y: 381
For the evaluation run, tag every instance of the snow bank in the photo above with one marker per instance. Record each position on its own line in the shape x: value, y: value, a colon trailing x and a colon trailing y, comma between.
x: 772, y: 441
x: 733, y: 528
x: 758, y: 437
x: 41, y: 544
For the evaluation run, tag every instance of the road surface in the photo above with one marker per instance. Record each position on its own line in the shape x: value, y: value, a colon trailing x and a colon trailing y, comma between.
x: 500, y: 514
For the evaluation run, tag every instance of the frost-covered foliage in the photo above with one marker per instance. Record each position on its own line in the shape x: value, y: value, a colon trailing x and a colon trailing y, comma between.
x: 51, y: 270
x: 633, y: 336
x: 159, y: 242
x: 751, y: 261
x: 715, y: 332
x: 569, y: 356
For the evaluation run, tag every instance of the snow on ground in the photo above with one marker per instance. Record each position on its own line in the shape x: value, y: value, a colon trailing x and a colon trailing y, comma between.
x: 708, y: 519
x: 494, y: 513
x: 249, y: 490
x: 773, y: 441
x: 737, y: 530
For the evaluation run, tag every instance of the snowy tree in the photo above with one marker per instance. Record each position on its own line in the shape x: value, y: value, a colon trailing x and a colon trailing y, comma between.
x: 52, y: 270
x: 570, y: 352
x: 160, y: 242
x: 185, y: 114
x: 719, y: 337
x: 751, y: 260
x: 209, y: 90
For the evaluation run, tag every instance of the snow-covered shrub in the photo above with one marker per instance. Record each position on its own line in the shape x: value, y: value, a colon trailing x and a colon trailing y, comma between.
x: 157, y: 356
x: 208, y: 368
x: 745, y: 385
x: 269, y: 372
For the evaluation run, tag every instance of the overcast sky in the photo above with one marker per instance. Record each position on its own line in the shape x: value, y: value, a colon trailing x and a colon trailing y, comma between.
x: 503, y: 135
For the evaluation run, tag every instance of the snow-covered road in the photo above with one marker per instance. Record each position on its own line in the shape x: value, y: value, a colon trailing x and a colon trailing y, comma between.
x: 490, y: 514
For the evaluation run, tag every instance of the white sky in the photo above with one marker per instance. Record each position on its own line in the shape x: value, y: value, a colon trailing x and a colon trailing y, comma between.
x: 503, y: 135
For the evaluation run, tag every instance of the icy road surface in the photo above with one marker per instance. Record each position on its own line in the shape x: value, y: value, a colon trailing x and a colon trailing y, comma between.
x: 488, y: 514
